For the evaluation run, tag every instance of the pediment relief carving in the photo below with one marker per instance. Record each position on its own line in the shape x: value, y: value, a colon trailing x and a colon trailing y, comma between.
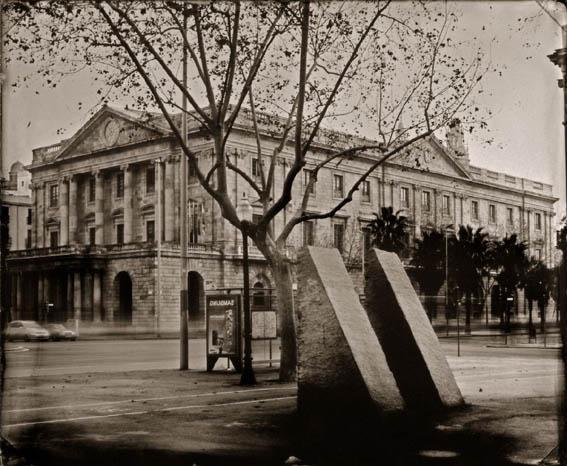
x: 430, y: 156
x: 105, y: 130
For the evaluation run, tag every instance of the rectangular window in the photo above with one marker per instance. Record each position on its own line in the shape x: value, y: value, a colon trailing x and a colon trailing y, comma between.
x: 446, y: 205
x: 538, y: 254
x: 29, y: 218
x: 195, y: 221
x: 53, y: 238
x: 365, y: 191
x: 191, y: 169
x: 119, y: 233
x: 307, y: 175
x: 338, y: 187
x: 92, y: 189
x: 92, y: 236
x: 29, y: 240
x: 308, y: 233
x: 474, y: 210
x: 150, y: 180
x: 492, y: 213
x: 150, y: 231
x: 120, y: 185
x: 339, y: 236
x: 426, y: 201
x: 255, y: 168
x: 509, y: 216
x: 54, y: 195
x: 404, y: 197
x: 537, y: 221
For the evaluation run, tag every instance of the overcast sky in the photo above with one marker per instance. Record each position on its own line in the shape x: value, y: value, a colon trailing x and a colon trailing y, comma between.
x: 524, y: 98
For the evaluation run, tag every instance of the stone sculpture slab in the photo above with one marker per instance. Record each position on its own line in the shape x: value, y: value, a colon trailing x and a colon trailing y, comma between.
x: 406, y: 336
x: 341, y: 366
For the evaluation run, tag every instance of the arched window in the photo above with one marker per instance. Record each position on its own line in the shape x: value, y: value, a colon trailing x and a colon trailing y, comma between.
x: 258, y: 295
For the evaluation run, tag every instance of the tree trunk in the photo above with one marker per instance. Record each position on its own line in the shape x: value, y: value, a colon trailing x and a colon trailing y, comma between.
x: 281, y: 271
x: 468, y: 306
x: 531, y: 329
x: 542, y: 317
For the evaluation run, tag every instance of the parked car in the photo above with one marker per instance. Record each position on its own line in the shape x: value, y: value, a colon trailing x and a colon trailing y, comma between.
x: 26, y: 330
x: 60, y: 332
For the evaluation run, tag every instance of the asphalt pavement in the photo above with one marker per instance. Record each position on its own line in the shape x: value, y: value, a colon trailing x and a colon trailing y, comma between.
x: 123, y: 402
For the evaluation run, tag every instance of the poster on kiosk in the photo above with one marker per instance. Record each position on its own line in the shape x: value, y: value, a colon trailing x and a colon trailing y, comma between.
x: 223, y: 329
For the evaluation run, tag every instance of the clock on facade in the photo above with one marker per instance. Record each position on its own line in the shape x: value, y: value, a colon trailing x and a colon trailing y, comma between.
x: 111, y: 132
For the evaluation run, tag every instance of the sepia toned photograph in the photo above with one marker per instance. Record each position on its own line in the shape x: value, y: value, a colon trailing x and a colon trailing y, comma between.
x: 268, y: 233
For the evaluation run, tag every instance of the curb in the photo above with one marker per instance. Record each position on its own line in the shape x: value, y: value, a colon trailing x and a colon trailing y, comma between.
x: 525, y: 346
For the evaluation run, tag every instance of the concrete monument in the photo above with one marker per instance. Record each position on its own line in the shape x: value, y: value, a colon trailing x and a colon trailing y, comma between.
x: 342, y: 369
x: 406, y: 336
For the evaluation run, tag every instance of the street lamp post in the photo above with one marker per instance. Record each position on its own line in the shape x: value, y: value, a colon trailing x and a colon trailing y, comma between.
x: 244, y: 211
x: 448, y: 230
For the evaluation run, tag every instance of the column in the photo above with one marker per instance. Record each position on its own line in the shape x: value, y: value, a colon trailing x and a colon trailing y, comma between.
x: 46, y: 289
x: 97, y: 295
x: 169, y: 202
x: 435, y: 207
x: 176, y: 164
x: 544, y: 249
x: 64, y: 212
x: 416, y: 211
x: 69, y: 298
x: 529, y: 241
x: 158, y: 203
x: 33, y: 188
x: 99, y: 209
x: 18, y: 303
x: 127, y: 203
x: 73, y: 210
x: 39, y: 217
x: 77, y: 295
x: 39, y: 291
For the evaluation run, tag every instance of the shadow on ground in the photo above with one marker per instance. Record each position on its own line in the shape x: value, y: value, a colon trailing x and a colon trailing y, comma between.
x: 353, y: 445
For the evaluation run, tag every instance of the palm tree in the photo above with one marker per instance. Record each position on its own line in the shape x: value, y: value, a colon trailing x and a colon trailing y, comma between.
x: 470, y: 264
x: 429, y: 262
x: 511, y: 264
x: 537, y: 287
x: 389, y: 230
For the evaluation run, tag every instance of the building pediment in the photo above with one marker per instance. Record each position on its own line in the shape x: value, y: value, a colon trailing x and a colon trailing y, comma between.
x: 109, y: 128
x: 431, y: 156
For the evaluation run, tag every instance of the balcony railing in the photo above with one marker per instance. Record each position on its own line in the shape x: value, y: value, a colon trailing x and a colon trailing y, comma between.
x: 57, y: 250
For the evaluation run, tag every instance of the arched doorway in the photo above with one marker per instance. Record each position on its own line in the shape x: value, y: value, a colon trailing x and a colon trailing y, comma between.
x: 195, y: 296
x: 123, y: 290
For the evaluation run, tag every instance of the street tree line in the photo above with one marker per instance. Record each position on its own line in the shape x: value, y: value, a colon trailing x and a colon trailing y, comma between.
x: 473, y: 264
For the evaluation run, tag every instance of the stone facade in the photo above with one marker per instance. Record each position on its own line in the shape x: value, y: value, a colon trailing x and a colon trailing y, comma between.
x: 16, y: 199
x: 107, y: 201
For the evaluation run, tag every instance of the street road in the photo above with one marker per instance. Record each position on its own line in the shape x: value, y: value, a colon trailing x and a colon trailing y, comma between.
x: 532, y: 370
x: 59, y: 358
x: 120, y: 402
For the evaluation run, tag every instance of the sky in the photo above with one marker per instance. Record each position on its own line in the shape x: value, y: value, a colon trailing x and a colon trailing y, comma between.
x: 523, y: 96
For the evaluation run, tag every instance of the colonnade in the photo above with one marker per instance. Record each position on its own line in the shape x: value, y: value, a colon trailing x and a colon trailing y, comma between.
x: 68, y: 211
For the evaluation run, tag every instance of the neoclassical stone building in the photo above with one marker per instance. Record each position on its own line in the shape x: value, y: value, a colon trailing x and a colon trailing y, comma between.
x: 106, y: 204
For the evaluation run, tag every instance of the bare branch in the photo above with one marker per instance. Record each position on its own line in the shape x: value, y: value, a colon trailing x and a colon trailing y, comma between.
x: 159, y: 59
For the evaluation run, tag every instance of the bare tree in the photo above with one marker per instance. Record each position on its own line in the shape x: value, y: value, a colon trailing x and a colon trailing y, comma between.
x: 359, y: 67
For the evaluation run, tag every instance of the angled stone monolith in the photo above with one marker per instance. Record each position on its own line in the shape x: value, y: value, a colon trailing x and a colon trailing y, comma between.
x: 342, y: 370
x: 406, y: 335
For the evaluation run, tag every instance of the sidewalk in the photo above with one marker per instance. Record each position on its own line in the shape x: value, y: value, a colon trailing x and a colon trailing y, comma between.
x: 170, y: 417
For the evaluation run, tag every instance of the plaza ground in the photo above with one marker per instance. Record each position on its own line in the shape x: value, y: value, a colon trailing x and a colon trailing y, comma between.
x: 124, y: 402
